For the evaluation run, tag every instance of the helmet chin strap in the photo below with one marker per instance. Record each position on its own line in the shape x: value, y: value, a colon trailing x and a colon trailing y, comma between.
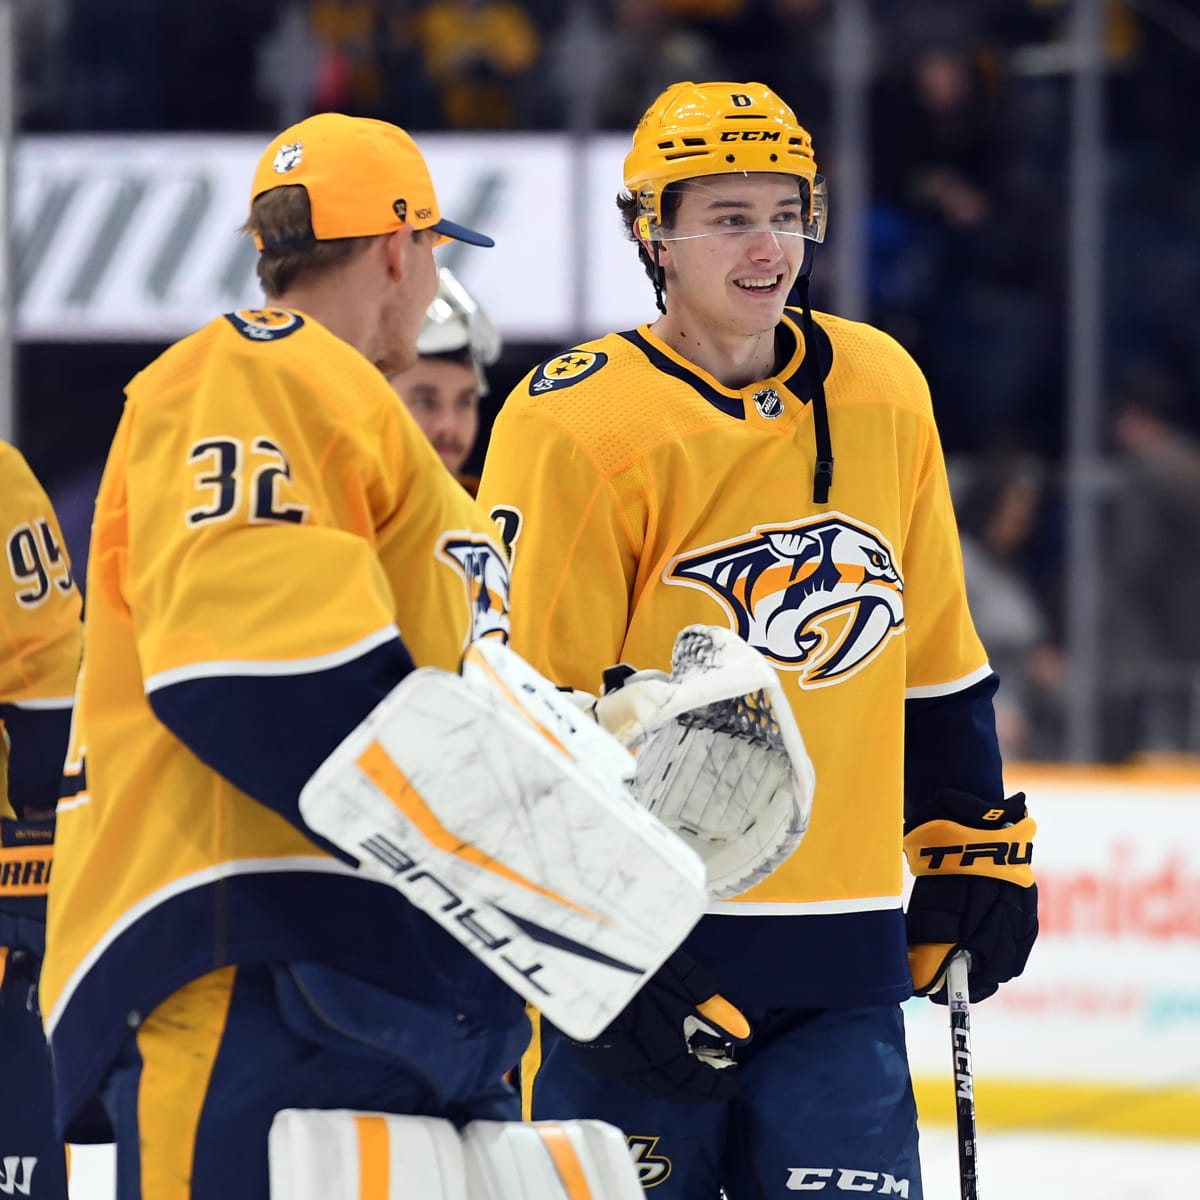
x: 823, y: 473
x: 660, y: 282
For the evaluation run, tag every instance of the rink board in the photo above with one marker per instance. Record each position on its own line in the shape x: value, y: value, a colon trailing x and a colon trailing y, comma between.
x: 1102, y: 1032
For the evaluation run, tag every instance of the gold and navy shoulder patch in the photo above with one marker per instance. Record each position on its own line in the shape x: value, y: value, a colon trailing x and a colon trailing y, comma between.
x: 566, y: 369
x: 265, y: 324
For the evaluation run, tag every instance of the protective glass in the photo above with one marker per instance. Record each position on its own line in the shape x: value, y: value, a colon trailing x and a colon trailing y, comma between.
x: 804, y: 219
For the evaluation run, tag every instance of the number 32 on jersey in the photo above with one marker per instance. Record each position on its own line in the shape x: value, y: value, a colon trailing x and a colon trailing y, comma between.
x: 227, y: 474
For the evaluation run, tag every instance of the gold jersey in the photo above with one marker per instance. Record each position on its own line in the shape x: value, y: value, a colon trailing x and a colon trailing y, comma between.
x: 275, y: 544
x: 638, y: 496
x: 40, y: 641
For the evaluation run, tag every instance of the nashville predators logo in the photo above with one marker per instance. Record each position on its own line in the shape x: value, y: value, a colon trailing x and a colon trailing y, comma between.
x: 485, y: 574
x: 565, y: 370
x: 820, y: 597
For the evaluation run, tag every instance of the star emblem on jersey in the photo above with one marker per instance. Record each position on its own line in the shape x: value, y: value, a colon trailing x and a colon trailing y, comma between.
x: 288, y: 157
x: 565, y: 370
x: 768, y: 403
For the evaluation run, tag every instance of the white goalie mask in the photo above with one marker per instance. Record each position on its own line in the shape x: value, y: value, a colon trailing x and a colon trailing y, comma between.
x: 454, y: 322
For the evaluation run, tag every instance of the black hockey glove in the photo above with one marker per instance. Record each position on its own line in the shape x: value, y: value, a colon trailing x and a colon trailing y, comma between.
x: 676, y: 1038
x: 973, y: 890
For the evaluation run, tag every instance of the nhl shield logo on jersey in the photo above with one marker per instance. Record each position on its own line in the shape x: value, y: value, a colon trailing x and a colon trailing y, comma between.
x: 265, y: 324
x: 565, y: 370
x: 484, y: 571
x: 820, y: 597
x: 768, y: 403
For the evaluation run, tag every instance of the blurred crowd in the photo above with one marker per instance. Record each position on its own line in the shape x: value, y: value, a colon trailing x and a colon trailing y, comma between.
x: 969, y: 124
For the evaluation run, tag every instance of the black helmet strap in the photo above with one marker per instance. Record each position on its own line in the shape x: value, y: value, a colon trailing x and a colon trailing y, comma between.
x: 823, y: 473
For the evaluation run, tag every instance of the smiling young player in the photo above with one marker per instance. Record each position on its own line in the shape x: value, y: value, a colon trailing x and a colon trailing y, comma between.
x: 683, y: 472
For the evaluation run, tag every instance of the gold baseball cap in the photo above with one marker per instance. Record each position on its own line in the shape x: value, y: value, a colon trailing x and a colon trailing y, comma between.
x: 363, y: 177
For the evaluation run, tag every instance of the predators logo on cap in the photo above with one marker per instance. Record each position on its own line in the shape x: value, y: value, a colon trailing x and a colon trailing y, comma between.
x: 565, y: 370
x: 264, y: 324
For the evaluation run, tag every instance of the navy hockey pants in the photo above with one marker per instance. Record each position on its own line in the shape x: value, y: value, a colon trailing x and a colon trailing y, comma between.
x: 194, y: 1091
x: 826, y: 1107
x: 32, y: 1157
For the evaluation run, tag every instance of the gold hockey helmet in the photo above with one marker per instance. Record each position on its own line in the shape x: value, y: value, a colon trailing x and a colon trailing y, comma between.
x: 696, y: 129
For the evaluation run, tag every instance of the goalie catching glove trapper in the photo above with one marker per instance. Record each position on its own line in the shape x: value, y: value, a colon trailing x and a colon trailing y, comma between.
x: 720, y: 759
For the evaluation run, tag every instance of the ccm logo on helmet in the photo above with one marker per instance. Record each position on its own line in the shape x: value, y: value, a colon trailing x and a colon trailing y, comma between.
x: 1003, y: 854
x: 750, y: 135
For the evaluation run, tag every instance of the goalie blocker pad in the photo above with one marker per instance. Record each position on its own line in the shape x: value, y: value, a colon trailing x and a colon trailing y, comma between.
x: 505, y: 814
x: 343, y: 1155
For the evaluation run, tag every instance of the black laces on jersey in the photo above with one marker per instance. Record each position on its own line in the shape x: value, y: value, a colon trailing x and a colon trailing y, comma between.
x: 823, y: 473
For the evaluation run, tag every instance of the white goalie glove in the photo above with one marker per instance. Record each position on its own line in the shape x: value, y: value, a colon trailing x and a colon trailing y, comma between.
x: 507, y: 816
x: 720, y: 759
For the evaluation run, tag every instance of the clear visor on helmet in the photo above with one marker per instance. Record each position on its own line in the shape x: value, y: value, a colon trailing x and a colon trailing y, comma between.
x: 723, y: 212
x: 454, y: 321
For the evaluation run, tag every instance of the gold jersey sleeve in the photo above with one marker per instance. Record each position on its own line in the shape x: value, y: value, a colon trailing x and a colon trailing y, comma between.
x: 273, y: 483
x: 40, y: 630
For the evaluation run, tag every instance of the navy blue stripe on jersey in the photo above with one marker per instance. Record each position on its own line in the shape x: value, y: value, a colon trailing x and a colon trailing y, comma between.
x: 37, y: 746
x: 950, y: 742
x: 730, y: 405
x: 797, y: 382
x: 768, y: 960
x: 267, y: 734
x: 363, y: 928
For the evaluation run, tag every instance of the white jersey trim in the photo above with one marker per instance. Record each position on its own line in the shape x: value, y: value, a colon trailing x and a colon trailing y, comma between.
x: 51, y: 702
x: 933, y: 690
x: 802, y: 908
x: 227, y: 870
x: 287, y: 666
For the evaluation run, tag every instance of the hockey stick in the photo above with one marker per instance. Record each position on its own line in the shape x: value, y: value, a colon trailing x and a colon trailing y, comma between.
x: 964, y: 1077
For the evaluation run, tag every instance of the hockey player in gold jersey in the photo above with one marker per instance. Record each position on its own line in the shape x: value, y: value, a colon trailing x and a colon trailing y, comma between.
x: 746, y: 462
x: 244, y: 921
x: 40, y: 642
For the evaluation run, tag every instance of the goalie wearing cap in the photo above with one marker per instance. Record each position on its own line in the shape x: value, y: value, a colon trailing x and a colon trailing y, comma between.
x: 745, y: 462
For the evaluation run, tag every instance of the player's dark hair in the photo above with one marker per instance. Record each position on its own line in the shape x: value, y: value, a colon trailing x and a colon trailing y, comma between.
x: 283, y: 219
x: 671, y: 197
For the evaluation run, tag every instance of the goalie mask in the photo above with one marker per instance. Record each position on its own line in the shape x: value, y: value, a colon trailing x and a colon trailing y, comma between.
x: 454, y: 322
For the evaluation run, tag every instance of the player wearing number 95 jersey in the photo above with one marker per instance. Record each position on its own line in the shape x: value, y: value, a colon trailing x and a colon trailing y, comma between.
x: 40, y: 641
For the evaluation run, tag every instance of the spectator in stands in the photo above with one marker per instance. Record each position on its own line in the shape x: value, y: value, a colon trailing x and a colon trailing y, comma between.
x: 997, y: 513
x: 1152, y: 571
x: 968, y: 251
x: 478, y: 53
